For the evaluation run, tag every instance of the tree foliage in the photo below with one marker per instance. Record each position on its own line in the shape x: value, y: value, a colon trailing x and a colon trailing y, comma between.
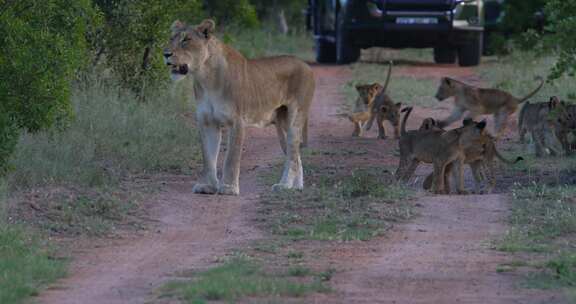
x: 42, y: 43
x: 520, y: 15
x: 134, y: 33
x: 561, y: 16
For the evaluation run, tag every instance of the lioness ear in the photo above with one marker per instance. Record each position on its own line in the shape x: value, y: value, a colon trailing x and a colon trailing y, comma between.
x: 176, y: 26
x: 447, y: 81
x: 399, y: 104
x: 206, y: 28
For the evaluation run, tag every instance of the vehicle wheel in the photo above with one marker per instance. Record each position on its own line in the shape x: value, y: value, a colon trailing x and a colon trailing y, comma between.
x: 444, y: 55
x: 345, y: 53
x: 470, y: 54
x: 325, y: 52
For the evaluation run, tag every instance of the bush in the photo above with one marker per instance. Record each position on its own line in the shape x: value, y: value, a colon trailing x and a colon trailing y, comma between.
x: 562, y: 25
x: 112, y: 133
x: 133, y: 35
x: 42, y: 43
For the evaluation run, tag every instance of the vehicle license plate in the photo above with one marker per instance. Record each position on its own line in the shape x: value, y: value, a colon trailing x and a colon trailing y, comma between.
x: 416, y: 20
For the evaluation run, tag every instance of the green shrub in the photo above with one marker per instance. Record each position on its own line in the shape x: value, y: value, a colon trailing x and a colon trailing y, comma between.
x: 42, y: 43
x: 133, y: 35
x: 24, y: 265
x: 112, y: 133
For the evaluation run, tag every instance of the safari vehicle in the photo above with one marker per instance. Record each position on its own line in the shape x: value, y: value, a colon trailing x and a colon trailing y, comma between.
x: 454, y: 28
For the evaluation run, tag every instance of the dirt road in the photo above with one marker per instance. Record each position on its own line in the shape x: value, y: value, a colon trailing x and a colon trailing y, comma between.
x: 443, y: 256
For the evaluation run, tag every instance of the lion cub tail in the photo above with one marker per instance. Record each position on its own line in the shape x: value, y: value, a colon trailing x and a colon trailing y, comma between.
x: 533, y: 92
x: 406, y: 110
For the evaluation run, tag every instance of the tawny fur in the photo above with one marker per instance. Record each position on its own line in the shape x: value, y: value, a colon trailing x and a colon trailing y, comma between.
x: 480, y: 101
x: 234, y: 92
x: 549, y: 124
x: 437, y: 147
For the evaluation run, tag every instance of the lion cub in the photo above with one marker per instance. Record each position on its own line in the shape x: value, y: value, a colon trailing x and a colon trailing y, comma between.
x: 437, y: 147
x: 374, y: 104
x: 479, y: 101
x: 480, y: 158
x: 549, y: 124
x: 362, y: 108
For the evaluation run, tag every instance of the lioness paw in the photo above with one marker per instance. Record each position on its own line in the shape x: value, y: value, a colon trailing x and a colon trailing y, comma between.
x: 204, y: 189
x: 228, y: 190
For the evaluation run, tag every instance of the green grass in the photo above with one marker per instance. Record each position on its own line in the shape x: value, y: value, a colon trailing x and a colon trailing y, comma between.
x: 113, y: 133
x: 93, y: 213
x: 543, y: 222
x: 239, y: 278
x: 515, y: 74
x: 25, y: 265
x: 404, y: 89
x: 358, y: 206
x: 264, y: 42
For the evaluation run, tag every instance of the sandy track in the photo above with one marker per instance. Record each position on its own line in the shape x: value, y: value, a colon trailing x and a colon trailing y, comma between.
x: 443, y: 256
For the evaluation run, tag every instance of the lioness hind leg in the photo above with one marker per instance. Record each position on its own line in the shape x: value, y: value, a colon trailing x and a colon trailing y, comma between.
x: 292, y: 176
x: 210, y: 137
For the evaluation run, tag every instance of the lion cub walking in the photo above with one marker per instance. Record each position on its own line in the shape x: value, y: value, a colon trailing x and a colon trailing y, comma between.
x: 374, y: 104
x: 234, y: 92
x: 479, y: 101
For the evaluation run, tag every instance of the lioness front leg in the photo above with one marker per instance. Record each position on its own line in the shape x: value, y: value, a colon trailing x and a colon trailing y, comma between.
x: 210, y: 136
x: 231, y: 170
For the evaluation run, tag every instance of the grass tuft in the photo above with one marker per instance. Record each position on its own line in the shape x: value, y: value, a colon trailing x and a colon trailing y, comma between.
x: 25, y: 265
x: 239, y: 278
x: 113, y: 133
x: 358, y: 206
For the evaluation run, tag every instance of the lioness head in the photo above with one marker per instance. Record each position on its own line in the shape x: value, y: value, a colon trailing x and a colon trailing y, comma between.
x: 368, y: 92
x: 188, y: 48
x: 446, y: 89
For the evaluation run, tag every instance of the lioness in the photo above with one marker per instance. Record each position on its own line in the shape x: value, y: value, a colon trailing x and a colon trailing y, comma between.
x: 234, y: 92
x: 437, y: 147
x: 480, y: 157
x: 478, y: 101
x: 549, y: 124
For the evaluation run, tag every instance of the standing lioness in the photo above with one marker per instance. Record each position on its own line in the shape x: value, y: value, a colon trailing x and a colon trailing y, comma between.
x: 234, y: 92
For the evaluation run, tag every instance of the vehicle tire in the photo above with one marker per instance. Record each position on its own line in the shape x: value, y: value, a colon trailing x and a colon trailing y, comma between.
x: 444, y: 55
x: 325, y: 51
x: 470, y: 54
x: 345, y: 53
